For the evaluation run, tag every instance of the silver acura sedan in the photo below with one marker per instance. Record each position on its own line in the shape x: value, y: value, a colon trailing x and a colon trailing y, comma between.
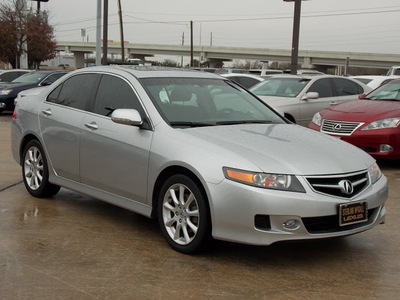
x: 197, y: 152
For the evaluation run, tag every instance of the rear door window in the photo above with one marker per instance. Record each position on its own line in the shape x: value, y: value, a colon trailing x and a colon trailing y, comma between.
x: 345, y: 87
x: 76, y: 91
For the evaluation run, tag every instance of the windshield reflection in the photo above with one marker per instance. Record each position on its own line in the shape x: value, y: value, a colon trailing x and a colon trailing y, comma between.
x: 193, y: 102
x: 388, y: 91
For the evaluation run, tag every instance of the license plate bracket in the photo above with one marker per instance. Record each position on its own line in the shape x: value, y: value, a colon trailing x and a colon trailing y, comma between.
x: 353, y: 213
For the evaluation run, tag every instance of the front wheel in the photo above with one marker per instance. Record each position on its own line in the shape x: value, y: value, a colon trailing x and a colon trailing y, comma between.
x: 35, y: 171
x: 183, y: 215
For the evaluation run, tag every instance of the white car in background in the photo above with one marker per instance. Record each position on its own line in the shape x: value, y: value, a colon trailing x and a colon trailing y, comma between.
x: 245, y: 80
x: 300, y: 97
x: 374, y: 81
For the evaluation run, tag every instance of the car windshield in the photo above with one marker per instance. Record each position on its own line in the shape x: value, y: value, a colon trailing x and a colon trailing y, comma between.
x: 389, y: 91
x: 191, y: 102
x: 30, y: 78
x: 280, y: 87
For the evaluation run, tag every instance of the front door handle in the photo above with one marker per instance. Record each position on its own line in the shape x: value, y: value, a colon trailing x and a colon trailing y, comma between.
x: 92, y: 125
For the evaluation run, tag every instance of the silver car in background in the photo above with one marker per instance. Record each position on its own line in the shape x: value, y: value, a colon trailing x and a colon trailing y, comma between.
x: 196, y: 151
x: 300, y: 97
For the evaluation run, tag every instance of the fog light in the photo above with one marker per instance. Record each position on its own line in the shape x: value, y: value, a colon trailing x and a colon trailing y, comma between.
x: 385, y: 148
x: 291, y: 224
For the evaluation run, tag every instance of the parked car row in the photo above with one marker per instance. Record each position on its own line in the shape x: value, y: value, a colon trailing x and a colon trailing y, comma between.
x: 338, y: 106
x: 31, y: 79
x: 198, y: 152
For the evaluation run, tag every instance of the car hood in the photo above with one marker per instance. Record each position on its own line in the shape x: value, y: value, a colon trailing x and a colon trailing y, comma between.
x: 280, y: 148
x: 276, y: 102
x: 362, y: 110
x: 17, y: 85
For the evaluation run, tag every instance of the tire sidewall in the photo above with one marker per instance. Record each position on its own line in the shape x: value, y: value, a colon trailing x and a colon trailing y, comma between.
x: 203, y: 234
x: 45, y: 189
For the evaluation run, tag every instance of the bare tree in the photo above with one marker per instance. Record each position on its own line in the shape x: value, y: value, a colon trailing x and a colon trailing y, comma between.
x: 24, y: 32
x: 12, y: 32
x: 40, y: 40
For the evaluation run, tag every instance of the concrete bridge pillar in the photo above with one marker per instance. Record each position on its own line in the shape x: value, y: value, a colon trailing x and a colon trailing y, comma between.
x: 216, y: 63
x: 307, y: 63
x: 79, y: 59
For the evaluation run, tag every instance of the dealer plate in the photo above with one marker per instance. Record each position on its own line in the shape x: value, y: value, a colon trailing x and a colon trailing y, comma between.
x: 352, y: 213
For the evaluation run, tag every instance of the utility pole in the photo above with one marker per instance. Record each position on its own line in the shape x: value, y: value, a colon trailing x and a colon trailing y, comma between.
x: 121, y: 28
x: 191, y: 44
x: 98, y: 34
x: 105, y: 32
x: 183, y: 43
x: 296, y: 33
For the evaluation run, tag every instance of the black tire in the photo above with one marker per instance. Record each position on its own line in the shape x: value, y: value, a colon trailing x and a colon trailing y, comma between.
x: 35, y: 171
x: 185, y: 222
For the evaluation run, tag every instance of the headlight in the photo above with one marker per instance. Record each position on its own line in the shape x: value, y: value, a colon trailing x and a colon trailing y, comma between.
x: 381, y: 124
x: 374, y: 173
x: 265, y: 180
x: 5, y: 92
x: 317, y: 119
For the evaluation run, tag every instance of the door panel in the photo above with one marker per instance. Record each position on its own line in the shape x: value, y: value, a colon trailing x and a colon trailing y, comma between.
x: 61, y: 128
x: 114, y: 157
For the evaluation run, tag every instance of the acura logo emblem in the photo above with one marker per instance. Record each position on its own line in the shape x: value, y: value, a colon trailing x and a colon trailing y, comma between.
x: 337, y: 127
x: 346, y: 187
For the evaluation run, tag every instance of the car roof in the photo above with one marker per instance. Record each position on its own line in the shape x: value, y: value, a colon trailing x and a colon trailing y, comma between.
x: 49, y: 71
x: 153, y: 71
x: 14, y: 70
x: 242, y: 75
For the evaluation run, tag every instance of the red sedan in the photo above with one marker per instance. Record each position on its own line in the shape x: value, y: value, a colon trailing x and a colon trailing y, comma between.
x: 370, y: 122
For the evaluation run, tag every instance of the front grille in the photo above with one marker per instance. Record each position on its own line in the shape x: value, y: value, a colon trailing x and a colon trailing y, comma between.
x: 318, y: 225
x: 345, y: 185
x: 339, y: 127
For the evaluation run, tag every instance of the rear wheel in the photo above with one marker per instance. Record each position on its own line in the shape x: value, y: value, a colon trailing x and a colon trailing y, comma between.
x: 35, y: 171
x: 183, y: 215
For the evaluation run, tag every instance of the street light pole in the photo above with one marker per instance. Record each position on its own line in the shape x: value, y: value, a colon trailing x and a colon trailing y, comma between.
x: 296, y: 34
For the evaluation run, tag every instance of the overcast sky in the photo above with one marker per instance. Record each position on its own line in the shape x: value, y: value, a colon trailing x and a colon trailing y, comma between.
x: 336, y: 25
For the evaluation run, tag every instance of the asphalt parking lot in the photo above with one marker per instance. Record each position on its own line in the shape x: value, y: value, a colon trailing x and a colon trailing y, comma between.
x: 75, y: 247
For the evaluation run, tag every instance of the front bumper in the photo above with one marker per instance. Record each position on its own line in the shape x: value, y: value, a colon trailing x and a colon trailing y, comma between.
x: 259, y: 216
x: 7, y: 103
x: 371, y: 140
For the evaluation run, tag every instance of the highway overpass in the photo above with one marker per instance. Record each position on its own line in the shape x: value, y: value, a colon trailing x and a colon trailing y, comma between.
x: 216, y: 55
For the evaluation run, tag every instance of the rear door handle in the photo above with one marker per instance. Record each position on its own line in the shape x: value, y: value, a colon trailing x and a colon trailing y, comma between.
x: 333, y: 103
x: 47, y: 112
x: 92, y: 125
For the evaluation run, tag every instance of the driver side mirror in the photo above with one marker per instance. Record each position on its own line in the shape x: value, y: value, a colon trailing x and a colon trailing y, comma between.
x: 46, y: 83
x: 127, y: 117
x: 310, y: 96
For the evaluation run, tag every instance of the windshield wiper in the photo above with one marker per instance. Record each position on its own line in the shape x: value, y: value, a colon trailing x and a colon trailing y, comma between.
x: 190, y: 124
x: 244, y: 122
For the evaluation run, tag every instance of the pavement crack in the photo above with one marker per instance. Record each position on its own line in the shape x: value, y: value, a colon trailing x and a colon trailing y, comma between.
x: 10, y: 186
